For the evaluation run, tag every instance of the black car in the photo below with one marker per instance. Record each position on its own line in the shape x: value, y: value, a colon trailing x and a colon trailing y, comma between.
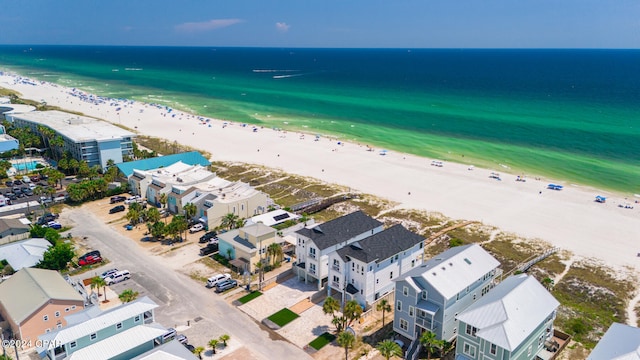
x: 117, y: 209
x: 9, y: 183
x: 47, y: 217
x: 190, y: 347
x: 117, y: 199
x: 208, y: 236
x: 209, y: 249
x: 11, y: 196
x: 17, y: 182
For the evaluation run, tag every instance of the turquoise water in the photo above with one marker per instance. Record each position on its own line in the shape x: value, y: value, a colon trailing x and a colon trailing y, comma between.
x: 567, y: 114
x: 22, y: 166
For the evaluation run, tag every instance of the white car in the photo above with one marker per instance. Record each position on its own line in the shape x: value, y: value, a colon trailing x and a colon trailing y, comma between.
x: 195, y: 228
x: 118, y: 277
x: 134, y: 198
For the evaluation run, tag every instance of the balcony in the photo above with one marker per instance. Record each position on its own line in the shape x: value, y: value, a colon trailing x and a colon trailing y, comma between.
x: 425, y: 323
x: 335, y: 284
x: 312, y: 255
x: 336, y: 267
x: 312, y: 271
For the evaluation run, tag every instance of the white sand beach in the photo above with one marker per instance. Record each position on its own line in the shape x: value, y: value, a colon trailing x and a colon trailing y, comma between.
x: 569, y: 219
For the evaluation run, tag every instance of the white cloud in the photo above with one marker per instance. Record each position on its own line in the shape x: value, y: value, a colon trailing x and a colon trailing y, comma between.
x: 282, y: 27
x: 206, y: 25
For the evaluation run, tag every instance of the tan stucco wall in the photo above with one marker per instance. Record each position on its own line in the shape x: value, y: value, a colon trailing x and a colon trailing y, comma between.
x: 244, y: 208
x: 34, y: 325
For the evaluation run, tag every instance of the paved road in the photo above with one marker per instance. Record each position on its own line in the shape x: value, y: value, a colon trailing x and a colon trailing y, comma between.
x: 180, y: 298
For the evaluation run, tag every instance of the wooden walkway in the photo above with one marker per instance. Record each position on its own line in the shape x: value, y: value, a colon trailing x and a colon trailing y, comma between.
x: 446, y: 230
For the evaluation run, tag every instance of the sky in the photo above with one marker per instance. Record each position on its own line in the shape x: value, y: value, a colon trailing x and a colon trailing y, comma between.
x: 325, y: 23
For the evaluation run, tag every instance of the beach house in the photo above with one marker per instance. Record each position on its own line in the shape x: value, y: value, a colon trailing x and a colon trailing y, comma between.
x: 213, y: 196
x: 85, y: 138
x: 365, y: 269
x: 35, y: 301
x: 122, y: 332
x: 315, y: 243
x: 619, y: 342
x: 429, y: 297
x: 513, y: 321
x: 246, y: 246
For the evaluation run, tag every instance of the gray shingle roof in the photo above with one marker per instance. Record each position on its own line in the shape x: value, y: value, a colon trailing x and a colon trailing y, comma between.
x: 382, y: 245
x: 341, y: 229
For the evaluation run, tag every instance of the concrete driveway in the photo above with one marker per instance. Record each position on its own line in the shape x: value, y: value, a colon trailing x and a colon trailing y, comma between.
x: 184, y: 303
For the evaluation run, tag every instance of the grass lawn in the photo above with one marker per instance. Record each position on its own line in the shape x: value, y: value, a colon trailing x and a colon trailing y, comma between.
x: 283, y: 317
x: 245, y: 299
x: 322, y: 340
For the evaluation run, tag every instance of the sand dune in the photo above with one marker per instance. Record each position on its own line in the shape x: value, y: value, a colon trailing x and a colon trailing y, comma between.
x: 569, y: 219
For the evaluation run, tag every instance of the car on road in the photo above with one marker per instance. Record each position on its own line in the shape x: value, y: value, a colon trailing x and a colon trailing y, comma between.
x: 54, y: 225
x: 226, y: 285
x: 117, y: 209
x: 208, y: 236
x: 118, y: 277
x: 108, y: 273
x: 89, y: 260
x: 195, y: 228
x: 117, y: 199
x: 209, y: 249
x: 215, y: 279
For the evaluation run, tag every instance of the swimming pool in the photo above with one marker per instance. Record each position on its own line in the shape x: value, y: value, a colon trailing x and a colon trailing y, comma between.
x: 30, y: 166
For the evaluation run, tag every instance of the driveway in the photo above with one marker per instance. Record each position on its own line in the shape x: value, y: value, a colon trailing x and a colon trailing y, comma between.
x: 184, y: 303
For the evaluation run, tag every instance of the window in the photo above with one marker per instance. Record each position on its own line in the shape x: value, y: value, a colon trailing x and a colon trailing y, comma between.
x: 424, y: 294
x: 399, y: 306
x: 471, y: 330
x: 377, y: 281
x: 57, y: 313
x: 47, y: 330
x: 312, y: 268
x: 493, y: 349
x: 413, y: 263
x: 391, y: 275
x: 474, y: 297
x: 404, y: 324
x: 405, y: 291
x: 59, y: 326
x: 66, y: 310
x: 421, y: 245
x: 45, y: 318
x: 136, y: 319
x: 118, y: 326
x: 396, y: 257
x: 93, y: 336
x: 469, y: 350
x: 529, y: 351
x: 370, y: 268
x: 411, y: 311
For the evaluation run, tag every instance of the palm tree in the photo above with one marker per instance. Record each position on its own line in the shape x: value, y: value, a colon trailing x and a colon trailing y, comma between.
x: 190, y: 210
x: 224, y: 338
x: 74, y: 164
x: 385, y: 307
x: 351, y: 312
x: 128, y: 295
x: 153, y: 215
x: 55, y: 144
x: 444, y: 346
x: 229, y: 221
x: 162, y: 199
x: 180, y: 223
x: 94, y: 284
x: 346, y: 340
x: 275, y: 252
x: 213, y: 343
x: 389, y: 348
x: 429, y: 342
x: 330, y: 306
x: 100, y: 283
x: 198, y: 351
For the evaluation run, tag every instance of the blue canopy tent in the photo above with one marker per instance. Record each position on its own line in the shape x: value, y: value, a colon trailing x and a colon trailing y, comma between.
x: 601, y: 199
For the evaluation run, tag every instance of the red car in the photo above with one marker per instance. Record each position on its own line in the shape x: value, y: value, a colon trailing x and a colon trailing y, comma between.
x: 89, y: 260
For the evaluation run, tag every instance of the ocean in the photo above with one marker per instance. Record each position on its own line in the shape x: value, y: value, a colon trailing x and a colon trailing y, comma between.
x: 572, y: 115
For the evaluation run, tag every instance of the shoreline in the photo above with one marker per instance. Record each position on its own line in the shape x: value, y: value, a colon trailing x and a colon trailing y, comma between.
x: 569, y: 219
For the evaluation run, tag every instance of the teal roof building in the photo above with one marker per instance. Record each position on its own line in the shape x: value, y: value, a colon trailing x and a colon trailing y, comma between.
x: 190, y: 158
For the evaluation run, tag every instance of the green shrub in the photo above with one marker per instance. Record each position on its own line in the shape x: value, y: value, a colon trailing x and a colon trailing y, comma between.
x: 455, y: 242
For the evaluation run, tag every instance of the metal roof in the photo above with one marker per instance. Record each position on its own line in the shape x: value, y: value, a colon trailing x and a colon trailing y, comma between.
x: 98, y: 322
x: 172, y: 350
x: 620, y: 342
x: 29, y: 289
x: 190, y: 158
x: 453, y: 270
x: 119, y: 343
x: 25, y: 253
x: 511, y: 311
x: 340, y: 230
